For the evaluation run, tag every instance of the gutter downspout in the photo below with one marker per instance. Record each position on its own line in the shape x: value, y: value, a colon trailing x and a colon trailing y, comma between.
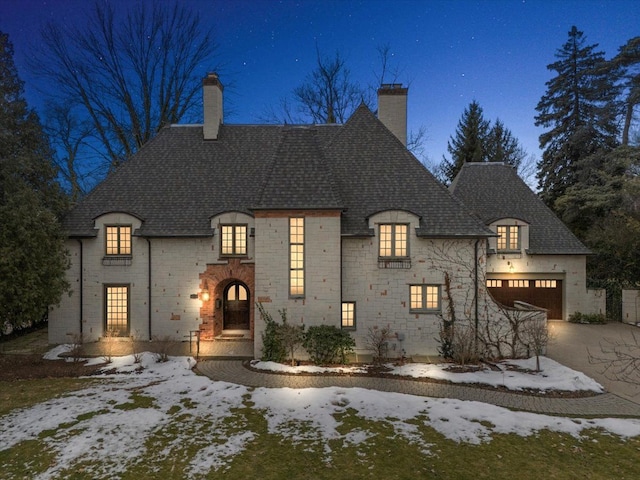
x: 149, y: 272
x: 81, y: 287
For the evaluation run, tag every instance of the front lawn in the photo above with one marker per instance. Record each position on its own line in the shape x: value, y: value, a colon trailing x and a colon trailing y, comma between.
x: 166, y: 422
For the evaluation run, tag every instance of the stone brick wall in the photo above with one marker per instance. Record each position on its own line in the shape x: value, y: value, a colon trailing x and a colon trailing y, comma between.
x: 321, y: 302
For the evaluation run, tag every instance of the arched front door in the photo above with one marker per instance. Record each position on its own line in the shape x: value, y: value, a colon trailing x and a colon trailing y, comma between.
x: 236, y: 307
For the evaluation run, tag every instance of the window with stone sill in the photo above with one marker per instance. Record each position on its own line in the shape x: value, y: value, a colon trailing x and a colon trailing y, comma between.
x: 233, y: 240
x: 508, y: 238
x: 393, y: 251
x: 117, y: 310
x: 348, y: 315
x: 117, y: 245
x: 424, y: 298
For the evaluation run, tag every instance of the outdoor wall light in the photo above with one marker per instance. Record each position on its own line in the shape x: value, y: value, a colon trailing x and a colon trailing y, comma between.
x: 511, y: 269
x: 205, y: 292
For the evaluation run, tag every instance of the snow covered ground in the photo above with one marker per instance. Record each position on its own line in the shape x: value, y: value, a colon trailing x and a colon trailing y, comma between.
x: 91, y: 425
x: 552, y: 376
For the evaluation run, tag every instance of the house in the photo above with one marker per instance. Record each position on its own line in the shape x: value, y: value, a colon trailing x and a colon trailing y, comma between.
x: 337, y: 224
x: 534, y: 258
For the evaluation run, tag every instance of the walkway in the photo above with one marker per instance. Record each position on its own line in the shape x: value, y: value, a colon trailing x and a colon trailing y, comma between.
x: 606, y: 405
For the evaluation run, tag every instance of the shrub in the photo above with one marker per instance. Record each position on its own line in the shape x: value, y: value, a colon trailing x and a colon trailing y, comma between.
x: 273, y: 349
x: 325, y: 343
x: 578, y: 317
x: 378, y: 341
x: 162, y: 346
x: 290, y: 336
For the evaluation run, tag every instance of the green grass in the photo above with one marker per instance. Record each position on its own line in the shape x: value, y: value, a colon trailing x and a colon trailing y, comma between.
x: 380, y: 453
x: 25, y: 393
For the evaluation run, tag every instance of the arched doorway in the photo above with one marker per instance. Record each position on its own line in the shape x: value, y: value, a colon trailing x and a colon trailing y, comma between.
x: 236, y: 307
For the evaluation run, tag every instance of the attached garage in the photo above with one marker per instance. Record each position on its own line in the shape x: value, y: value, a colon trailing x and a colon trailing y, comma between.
x: 543, y: 293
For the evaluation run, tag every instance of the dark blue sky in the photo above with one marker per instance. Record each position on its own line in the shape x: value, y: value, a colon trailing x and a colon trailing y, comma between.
x: 450, y: 52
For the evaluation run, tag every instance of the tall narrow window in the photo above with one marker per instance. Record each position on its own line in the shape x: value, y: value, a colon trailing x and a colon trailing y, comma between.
x: 118, y: 240
x: 393, y: 240
x: 233, y: 240
x: 117, y: 310
x: 296, y: 257
x: 348, y: 314
x: 508, y: 237
x: 424, y: 298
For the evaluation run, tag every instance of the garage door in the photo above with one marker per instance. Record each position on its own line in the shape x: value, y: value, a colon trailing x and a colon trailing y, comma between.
x: 541, y: 293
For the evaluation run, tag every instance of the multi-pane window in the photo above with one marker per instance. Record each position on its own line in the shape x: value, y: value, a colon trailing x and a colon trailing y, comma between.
x: 296, y: 257
x: 424, y: 298
x: 546, y: 284
x: 494, y: 283
x: 348, y: 314
x: 393, y: 240
x: 508, y: 238
x: 518, y: 283
x: 119, y: 240
x: 117, y: 310
x: 233, y: 240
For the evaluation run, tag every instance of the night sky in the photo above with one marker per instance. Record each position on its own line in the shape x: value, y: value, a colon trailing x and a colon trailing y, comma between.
x: 450, y: 52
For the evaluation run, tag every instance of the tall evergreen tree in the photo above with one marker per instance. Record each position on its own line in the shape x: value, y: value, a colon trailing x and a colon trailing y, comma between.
x: 468, y: 145
x: 476, y: 140
x: 32, y: 254
x: 502, y: 146
x: 579, y: 110
x: 628, y: 58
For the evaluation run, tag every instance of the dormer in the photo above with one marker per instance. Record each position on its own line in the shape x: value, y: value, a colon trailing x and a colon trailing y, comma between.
x: 512, y: 236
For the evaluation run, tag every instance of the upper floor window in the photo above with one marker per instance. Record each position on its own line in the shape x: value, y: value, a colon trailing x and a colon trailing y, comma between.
x: 233, y: 239
x: 508, y: 238
x: 119, y: 240
x: 296, y: 257
x: 394, y: 240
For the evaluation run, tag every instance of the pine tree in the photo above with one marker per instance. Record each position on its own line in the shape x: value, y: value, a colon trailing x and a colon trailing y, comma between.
x: 32, y: 254
x: 468, y: 145
x: 476, y: 140
x: 579, y: 110
x: 502, y: 146
x: 628, y: 59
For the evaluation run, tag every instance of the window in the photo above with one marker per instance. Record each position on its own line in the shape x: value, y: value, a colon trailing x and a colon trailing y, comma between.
x: 494, y: 283
x: 518, y: 283
x: 393, y: 240
x: 117, y: 310
x: 546, y: 284
x: 348, y: 315
x: 508, y: 238
x: 233, y: 239
x: 296, y: 257
x: 424, y: 298
x: 118, y: 240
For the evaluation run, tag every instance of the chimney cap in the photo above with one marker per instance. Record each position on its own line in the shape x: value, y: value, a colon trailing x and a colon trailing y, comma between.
x: 212, y: 79
x: 392, y: 89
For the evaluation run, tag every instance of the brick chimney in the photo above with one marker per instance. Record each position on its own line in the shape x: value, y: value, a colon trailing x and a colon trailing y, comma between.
x: 212, y: 101
x: 392, y: 109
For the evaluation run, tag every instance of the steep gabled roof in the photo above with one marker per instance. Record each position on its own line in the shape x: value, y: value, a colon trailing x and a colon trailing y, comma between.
x: 178, y: 181
x: 494, y: 190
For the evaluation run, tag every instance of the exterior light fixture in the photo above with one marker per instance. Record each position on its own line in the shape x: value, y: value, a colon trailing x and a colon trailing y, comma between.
x: 205, y: 292
x: 511, y: 269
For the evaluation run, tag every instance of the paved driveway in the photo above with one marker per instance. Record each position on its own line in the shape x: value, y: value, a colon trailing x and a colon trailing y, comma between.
x: 573, y: 343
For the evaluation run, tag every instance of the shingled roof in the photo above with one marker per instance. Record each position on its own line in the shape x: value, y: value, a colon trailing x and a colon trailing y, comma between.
x: 493, y: 190
x: 178, y: 181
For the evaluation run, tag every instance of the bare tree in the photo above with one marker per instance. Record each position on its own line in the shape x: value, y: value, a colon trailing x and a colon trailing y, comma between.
x: 132, y: 74
x: 329, y: 94
x: 76, y: 159
x: 619, y: 359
